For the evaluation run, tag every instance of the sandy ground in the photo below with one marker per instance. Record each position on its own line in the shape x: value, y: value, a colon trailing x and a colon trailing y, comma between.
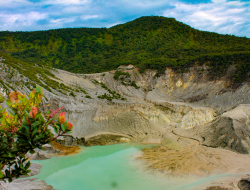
x: 225, y: 183
x: 198, y: 160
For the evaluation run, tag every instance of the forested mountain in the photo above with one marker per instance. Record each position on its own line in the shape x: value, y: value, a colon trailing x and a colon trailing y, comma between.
x: 148, y: 42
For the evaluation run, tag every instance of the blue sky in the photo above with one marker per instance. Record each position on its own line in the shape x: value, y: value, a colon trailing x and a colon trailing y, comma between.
x: 222, y: 16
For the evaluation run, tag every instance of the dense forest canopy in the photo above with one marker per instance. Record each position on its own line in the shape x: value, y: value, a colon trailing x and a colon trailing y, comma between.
x: 150, y: 42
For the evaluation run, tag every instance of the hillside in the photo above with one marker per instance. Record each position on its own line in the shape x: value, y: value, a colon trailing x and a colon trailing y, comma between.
x: 147, y: 43
x: 16, y: 75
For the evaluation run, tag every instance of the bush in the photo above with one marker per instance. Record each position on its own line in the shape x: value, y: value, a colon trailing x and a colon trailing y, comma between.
x: 114, y: 94
x: 72, y: 94
x: 23, y: 129
x: 105, y: 96
x: 119, y: 73
x: 95, y: 81
x: 88, y: 96
x: 134, y: 84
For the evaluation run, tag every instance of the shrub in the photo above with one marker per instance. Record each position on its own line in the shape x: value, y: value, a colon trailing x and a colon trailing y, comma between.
x: 105, y: 96
x: 127, y: 75
x: 134, y: 84
x: 72, y: 94
x: 95, y: 81
x: 114, y: 94
x: 119, y: 73
x: 88, y: 96
x: 23, y: 129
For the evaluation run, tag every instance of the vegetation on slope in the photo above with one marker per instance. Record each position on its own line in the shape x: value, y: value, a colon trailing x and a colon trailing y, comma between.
x: 16, y: 74
x: 147, y: 42
x: 125, y: 79
x: 112, y: 94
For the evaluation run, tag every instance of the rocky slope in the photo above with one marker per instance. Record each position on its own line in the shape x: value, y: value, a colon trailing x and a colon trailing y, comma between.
x: 184, y: 103
x: 187, y: 104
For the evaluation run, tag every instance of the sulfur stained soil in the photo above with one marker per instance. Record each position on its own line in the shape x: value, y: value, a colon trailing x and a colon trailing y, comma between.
x: 216, y: 188
x: 65, y: 150
x: 195, y: 159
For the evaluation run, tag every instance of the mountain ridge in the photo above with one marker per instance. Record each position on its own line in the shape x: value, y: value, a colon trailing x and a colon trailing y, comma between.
x: 150, y: 42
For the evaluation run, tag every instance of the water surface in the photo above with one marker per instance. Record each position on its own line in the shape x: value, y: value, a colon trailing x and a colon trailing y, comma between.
x: 108, y: 168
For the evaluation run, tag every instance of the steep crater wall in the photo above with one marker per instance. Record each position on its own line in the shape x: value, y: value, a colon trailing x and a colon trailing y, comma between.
x: 154, y: 107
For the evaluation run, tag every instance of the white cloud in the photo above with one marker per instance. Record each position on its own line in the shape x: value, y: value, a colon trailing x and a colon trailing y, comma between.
x: 219, y: 1
x: 22, y: 3
x: 13, y: 3
x: 62, y: 20
x: 137, y: 4
x: 86, y: 17
x: 113, y: 24
x: 67, y: 2
x: 20, y: 20
x: 148, y: 3
x: 73, y: 9
x: 228, y: 17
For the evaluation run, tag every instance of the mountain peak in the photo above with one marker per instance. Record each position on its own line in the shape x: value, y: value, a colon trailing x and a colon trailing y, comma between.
x: 149, y: 22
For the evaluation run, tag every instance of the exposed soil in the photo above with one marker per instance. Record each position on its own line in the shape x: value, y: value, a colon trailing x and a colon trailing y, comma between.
x: 195, y: 159
x: 216, y: 188
x: 244, y: 184
x: 66, y: 150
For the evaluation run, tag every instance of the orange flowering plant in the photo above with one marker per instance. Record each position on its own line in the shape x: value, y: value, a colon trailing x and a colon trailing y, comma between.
x: 23, y: 128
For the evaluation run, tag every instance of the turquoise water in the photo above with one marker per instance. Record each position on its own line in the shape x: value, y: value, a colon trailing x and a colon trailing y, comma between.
x: 107, y: 168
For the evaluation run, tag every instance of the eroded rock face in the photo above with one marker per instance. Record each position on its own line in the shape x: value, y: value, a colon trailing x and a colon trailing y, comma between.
x: 126, y: 67
x: 244, y: 184
x: 43, y: 154
x: 187, y: 102
x: 230, y: 130
x: 27, y: 184
x: 132, y: 120
x: 186, y: 115
x: 106, y: 139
